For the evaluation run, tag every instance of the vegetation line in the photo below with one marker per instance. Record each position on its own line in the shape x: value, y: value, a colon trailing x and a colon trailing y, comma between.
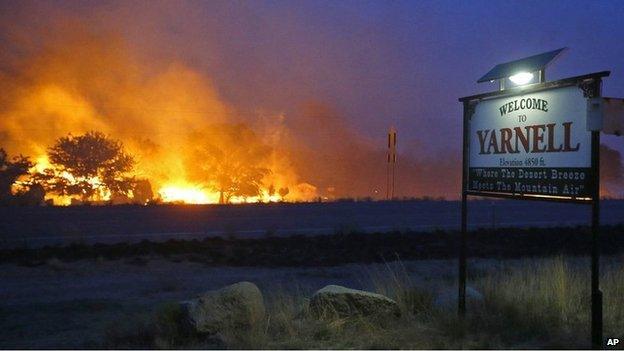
x: 344, y: 246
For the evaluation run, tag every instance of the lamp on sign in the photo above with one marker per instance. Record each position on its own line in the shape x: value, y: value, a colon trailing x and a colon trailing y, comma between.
x: 521, y: 78
x: 521, y: 72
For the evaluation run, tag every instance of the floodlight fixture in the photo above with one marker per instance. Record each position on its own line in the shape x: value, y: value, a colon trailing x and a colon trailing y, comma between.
x: 523, y: 71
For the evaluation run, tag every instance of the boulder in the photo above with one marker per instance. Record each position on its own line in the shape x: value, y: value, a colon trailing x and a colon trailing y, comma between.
x: 447, y: 298
x: 338, y: 301
x: 237, y: 306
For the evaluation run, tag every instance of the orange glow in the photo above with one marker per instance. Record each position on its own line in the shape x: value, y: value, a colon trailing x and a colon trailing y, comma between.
x: 189, y: 194
x: 165, y: 118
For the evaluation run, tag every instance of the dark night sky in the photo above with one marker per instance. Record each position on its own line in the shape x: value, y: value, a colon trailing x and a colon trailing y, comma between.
x: 378, y: 62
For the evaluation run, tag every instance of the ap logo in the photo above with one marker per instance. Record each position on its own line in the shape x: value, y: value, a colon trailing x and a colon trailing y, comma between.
x: 613, y: 342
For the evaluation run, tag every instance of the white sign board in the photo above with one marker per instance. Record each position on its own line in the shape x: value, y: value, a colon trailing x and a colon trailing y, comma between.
x: 534, y: 144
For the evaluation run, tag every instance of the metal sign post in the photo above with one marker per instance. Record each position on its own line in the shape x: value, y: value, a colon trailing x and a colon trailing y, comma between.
x: 596, y: 294
x: 533, y: 143
x: 464, y: 213
x: 593, y: 91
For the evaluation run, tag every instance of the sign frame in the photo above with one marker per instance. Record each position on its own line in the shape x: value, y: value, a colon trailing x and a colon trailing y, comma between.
x: 590, y: 85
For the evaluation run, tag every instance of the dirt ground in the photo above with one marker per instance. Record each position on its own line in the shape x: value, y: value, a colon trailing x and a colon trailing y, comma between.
x: 71, y: 305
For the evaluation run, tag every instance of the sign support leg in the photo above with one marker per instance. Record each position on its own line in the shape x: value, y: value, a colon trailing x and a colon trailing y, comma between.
x: 461, y: 297
x: 596, y: 294
x: 461, y: 306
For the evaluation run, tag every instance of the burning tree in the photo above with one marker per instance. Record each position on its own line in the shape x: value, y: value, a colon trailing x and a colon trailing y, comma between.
x: 283, y: 192
x: 142, y: 191
x: 232, y: 162
x: 11, y: 169
x: 89, y: 166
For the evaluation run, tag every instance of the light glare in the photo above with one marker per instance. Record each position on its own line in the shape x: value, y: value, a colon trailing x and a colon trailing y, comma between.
x: 521, y: 78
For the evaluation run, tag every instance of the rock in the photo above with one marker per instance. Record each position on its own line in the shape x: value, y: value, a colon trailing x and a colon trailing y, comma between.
x: 237, y: 306
x: 337, y: 301
x: 448, y: 298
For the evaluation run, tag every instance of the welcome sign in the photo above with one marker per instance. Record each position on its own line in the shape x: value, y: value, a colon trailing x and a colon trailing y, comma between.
x: 540, y: 142
x: 531, y: 144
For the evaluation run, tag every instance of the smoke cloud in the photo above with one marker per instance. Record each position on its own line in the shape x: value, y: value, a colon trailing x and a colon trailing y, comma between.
x: 81, y: 67
x: 611, y: 172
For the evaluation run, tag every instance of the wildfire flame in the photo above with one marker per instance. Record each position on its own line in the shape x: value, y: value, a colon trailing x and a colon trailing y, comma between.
x: 191, y: 194
x: 88, y: 83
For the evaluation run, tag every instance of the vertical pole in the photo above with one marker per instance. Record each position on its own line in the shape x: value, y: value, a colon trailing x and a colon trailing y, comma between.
x: 388, y: 178
x: 461, y: 299
x: 596, y: 294
x: 392, y: 142
x: 461, y: 306
x: 388, y: 170
x: 393, y: 170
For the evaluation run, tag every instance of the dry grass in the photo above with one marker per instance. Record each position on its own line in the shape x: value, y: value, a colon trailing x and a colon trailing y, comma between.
x: 530, y: 304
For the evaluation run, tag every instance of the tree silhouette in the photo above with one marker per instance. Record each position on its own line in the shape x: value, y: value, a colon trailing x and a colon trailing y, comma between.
x: 271, y: 190
x: 88, y: 166
x: 232, y: 161
x: 142, y: 192
x: 11, y: 169
x: 283, y: 192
